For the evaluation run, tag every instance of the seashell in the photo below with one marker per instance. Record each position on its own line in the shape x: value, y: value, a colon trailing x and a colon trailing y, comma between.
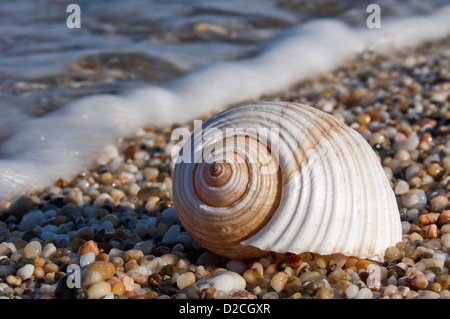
x: 284, y: 177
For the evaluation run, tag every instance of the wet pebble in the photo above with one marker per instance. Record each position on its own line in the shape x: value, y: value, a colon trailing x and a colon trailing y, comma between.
x: 99, y: 290
x: 223, y: 280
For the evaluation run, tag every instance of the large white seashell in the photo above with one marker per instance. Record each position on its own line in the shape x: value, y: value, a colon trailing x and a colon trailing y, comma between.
x: 319, y: 187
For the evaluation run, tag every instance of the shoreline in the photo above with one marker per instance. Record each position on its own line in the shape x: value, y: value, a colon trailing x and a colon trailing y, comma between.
x: 121, y: 209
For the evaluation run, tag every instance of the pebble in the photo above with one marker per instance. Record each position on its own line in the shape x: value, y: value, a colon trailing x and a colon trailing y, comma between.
x: 446, y: 240
x: 427, y: 294
x: 186, y: 279
x: 278, y: 281
x: 223, y: 280
x: 49, y: 251
x: 238, y: 266
x: 32, y: 249
x: 401, y: 188
x: 25, y: 272
x: 87, y: 258
x: 411, y: 143
x: 99, y: 290
x: 172, y: 234
x: 364, y: 293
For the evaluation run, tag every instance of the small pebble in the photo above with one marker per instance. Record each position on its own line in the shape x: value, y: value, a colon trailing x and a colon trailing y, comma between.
x: 325, y: 293
x: 104, y: 268
x: 89, y: 246
x: 401, y: 188
x: 223, y: 280
x: 186, y: 279
x: 278, y: 281
x: 236, y: 265
x: 32, y: 249
x: 364, y: 293
x: 25, y: 272
x: 87, y: 258
x: 99, y: 290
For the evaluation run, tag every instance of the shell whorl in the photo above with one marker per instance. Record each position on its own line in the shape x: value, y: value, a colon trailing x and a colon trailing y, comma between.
x: 314, y: 186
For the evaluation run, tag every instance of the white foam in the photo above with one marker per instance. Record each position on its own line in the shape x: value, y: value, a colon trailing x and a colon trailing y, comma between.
x: 68, y: 140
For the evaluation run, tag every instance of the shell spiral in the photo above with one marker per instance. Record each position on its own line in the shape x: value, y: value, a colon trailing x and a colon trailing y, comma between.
x: 284, y: 177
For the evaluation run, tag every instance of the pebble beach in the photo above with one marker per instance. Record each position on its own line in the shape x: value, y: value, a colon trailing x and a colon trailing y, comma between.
x: 112, y: 230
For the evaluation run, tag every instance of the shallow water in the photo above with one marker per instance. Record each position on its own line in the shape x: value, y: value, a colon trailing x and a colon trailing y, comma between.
x: 67, y: 92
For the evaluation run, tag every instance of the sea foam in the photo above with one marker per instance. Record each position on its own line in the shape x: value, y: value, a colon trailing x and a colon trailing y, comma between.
x: 41, y: 150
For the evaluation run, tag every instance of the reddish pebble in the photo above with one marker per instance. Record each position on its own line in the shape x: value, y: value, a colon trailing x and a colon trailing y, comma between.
x: 128, y: 281
x: 293, y: 261
x: 419, y: 281
x: 426, y: 219
x: 38, y: 272
x: 444, y: 217
x: 208, y: 293
x: 89, y: 246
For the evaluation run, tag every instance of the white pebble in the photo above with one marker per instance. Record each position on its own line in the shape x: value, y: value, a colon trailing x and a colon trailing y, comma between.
x: 410, y: 200
x: 412, y: 213
x: 102, y: 199
x: 410, y: 143
x: 401, y: 188
x: 32, y: 249
x: 364, y: 293
x: 392, y: 280
x: 99, y: 290
x: 50, y: 228
x: 271, y: 295
x: 109, y: 296
x: 422, y: 197
x: 49, y: 251
x: 26, y: 271
x: 146, y: 246
x: 223, y: 280
x: 116, y: 252
x: 87, y: 258
x: 427, y: 294
x: 7, y: 248
x: 351, y: 291
x: 140, y: 269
